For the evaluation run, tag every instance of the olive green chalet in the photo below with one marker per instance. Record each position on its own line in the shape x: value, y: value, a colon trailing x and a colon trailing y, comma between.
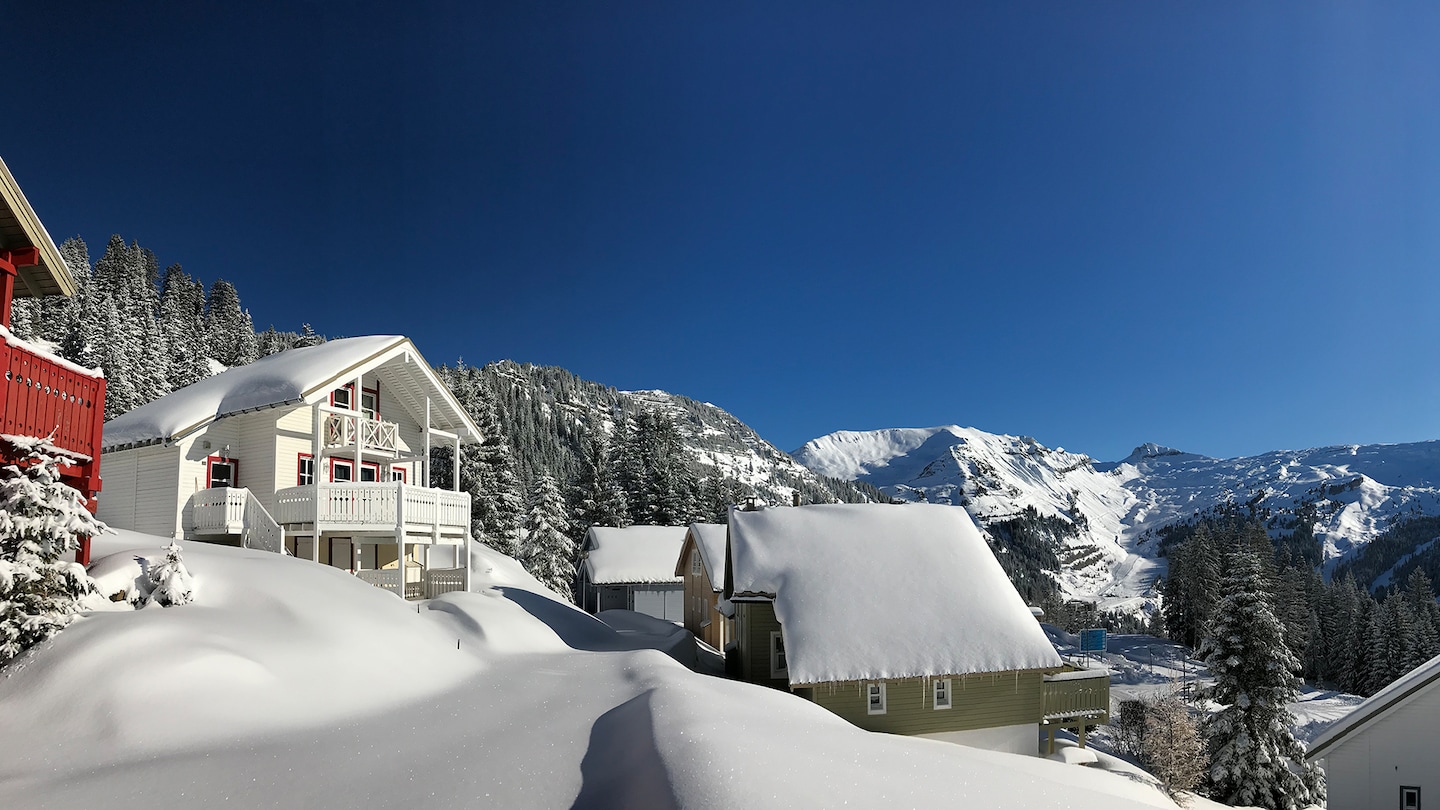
x: 899, y: 619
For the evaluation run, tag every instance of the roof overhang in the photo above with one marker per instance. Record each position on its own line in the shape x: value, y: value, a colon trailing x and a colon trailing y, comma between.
x: 20, y: 228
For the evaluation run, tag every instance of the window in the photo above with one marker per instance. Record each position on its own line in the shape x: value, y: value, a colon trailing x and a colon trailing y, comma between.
x: 342, y: 469
x: 1409, y: 797
x: 305, y: 470
x: 694, y: 563
x: 344, y: 397
x: 875, y: 698
x: 222, y: 472
x: 369, y: 471
x: 942, y: 693
x: 398, y: 474
x: 778, y: 667
x: 340, y: 397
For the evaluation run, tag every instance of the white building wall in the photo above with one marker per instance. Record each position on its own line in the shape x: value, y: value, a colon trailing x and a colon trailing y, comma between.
x: 1365, y: 770
x: 140, y: 490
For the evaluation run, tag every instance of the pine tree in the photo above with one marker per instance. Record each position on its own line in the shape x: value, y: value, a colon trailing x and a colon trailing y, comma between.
x: 487, y: 470
x: 1254, y: 757
x: 548, y: 552
x: 229, y: 332
x: 41, y: 520
x: 170, y: 581
x: 182, y: 320
x: 600, y: 499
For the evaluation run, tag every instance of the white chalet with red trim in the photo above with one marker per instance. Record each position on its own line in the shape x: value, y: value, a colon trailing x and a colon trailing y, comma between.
x: 282, y: 453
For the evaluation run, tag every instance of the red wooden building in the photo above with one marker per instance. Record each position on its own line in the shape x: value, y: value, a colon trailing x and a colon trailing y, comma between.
x: 41, y: 393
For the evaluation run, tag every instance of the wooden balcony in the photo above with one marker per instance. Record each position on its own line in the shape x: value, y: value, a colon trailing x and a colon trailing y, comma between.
x: 375, y: 508
x: 1080, y: 695
x: 42, y: 394
x: 350, y: 430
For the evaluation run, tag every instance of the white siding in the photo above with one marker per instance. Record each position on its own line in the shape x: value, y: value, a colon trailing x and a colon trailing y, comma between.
x: 1366, y: 769
x: 140, y: 490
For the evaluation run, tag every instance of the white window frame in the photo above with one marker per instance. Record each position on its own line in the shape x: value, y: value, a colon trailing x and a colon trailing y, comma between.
x: 941, y: 694
x: 342, y: 463
x: 875, y: 689
x: 694, y: 563
x: 779, y: 663
x: 1405, y: 792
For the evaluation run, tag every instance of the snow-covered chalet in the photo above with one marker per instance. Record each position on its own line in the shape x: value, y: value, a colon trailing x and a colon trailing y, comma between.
x: 324, y: 451
x: 633, y: 569
x: 1380, y: 754
x: 899, y: 619
x: 43, y: 394
x: 702, y: 564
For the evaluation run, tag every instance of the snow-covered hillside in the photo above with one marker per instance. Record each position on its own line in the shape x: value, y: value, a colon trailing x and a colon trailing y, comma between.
x: 1348, y: 494
x: 544, y: 409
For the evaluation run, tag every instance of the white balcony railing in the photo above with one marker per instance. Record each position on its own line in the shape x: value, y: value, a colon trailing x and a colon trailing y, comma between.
x: 371, y: 506
x: 342, y: 430
x: 233, y: 510
x: 220, y: 510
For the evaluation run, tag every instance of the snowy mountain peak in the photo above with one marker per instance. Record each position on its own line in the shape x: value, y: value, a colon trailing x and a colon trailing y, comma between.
x: 1098, y: 515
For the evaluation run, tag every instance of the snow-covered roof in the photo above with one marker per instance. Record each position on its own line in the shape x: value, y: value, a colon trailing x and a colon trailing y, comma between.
x: 872, y: 591
x: 20, y: 228
x: 1377, y: 704
x: 293, y: 377
x: 634, y: 554
x: 710, y: 539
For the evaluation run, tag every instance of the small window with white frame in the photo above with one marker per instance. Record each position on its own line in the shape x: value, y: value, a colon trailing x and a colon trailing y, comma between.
x: 1409, y: 797
x: 398, y: 474
x: 342, y: 469
x: 694, y: 563
x: 342, y: 397
x: 942, y: 693
x: 875, y: 698
x: 779, y: 667
x: 305, y: 470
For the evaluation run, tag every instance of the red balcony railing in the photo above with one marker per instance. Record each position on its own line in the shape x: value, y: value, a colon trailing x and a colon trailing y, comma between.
x: 40, y: 394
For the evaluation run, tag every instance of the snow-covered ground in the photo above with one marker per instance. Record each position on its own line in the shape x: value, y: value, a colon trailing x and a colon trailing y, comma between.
x: 290, y: 684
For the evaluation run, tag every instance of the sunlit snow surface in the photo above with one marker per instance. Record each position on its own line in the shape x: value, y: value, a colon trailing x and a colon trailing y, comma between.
x: 1358, y: 490
x: 290, y: 684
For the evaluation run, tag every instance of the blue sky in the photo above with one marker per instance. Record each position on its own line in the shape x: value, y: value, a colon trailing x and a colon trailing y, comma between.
x: 1098, y: 224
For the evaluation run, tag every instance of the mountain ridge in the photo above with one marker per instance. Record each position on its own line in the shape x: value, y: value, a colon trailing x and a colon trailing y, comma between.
x: 1343, y: 495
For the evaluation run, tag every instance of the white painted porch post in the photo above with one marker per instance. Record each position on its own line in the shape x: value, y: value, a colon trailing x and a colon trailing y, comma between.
x: 400, y: 536
x: 455, y: 468
x: 425, y: 461
x: 317, y: 450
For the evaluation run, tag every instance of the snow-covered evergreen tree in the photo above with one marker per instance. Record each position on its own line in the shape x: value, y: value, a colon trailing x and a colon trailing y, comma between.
x: 1254, y: 757
x: 171, y: 583
x: 182, y: 320
x: 230, y: 334
x: 487, y: 470
x: 548, y: 552
x: 600, y: 499
x: 41, y: 521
